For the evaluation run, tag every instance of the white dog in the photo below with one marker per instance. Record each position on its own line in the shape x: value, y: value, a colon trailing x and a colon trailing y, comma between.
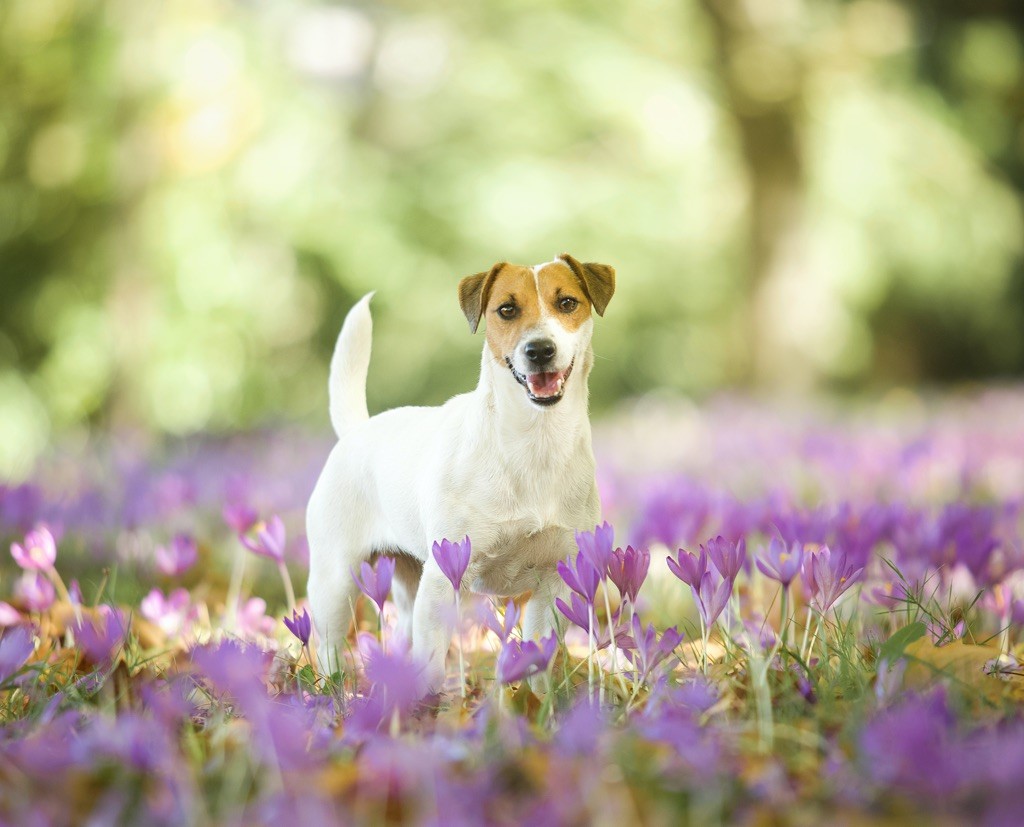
x: 509, y: 464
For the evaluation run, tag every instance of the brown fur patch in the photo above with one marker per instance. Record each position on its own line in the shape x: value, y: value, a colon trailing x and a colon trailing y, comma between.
x: 598, y: 280
x: 557, y: 281
x: 473, y: 293
x: 515, y: 284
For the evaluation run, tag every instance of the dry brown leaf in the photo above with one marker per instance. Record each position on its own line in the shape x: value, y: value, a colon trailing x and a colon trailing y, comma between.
x: 963, y: 663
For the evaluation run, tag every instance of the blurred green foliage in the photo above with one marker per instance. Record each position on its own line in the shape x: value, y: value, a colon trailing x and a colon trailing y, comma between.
x: 795, y: 193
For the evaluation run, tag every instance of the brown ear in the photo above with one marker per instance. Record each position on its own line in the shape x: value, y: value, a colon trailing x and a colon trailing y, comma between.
x: 597, y: 280
x: 474, y: 291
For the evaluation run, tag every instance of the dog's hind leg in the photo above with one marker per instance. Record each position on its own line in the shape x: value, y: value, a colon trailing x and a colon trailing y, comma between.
x: 338, y: 545
x: 332, y: 596
x: 405, y: 584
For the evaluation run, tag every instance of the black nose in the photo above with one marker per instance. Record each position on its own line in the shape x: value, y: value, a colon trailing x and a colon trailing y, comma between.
x: 540, y: 351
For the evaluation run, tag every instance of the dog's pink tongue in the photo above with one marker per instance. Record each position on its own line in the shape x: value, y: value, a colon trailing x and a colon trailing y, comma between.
x: 544, y: 384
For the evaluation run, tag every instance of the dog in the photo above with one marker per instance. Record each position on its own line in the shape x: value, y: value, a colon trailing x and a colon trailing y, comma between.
x: 509, y: 464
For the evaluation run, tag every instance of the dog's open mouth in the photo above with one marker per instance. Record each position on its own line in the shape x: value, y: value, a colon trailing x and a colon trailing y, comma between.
x: 542, y: 388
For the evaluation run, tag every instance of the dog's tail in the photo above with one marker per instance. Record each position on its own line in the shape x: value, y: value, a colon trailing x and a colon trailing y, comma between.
x: 349, y: 366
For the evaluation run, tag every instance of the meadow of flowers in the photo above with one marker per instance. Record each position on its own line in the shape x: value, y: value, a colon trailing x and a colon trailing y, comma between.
x: 792, y: 614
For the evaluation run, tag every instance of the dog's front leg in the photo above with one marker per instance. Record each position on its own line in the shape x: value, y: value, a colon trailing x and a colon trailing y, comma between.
x: 540, y: 617
x: 432, y: 623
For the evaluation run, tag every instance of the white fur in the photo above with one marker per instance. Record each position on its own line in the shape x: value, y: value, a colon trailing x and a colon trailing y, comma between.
x: 517, y: 478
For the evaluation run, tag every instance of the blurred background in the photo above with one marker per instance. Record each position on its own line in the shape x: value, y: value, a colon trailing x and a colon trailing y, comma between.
x: 798, y: 196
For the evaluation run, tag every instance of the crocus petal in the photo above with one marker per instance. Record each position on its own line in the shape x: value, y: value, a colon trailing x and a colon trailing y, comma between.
x: 578, y: 613
x: 453, y: 559
x: 35, y: 591
x: 9, y: 616
x: 16, y: 646
x: 38, y: 552
x: 596, y: 547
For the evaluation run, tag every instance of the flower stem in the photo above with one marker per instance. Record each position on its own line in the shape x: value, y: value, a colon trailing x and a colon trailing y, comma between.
x: 287, y: 580
x: 637, y: 686
x: 590, y: 649
x: 763, y: 700
x: 807, y: 629
x: 462, y: 665
x: 235, y: 588
x: 611, y: 637
x: 62, y: 590
x: 784, y: 618
x: 705, y: 633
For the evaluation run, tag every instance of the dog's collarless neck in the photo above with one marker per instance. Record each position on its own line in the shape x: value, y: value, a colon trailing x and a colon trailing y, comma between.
x: 515, y: 419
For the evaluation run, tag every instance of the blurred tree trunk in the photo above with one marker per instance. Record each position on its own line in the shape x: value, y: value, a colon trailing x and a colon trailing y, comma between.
x: 762, y: 80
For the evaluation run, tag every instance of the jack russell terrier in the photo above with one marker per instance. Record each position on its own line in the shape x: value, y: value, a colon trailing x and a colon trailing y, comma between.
x: 509, y: 464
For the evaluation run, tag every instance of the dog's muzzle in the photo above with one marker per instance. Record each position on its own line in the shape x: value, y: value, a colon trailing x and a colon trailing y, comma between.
x: 542, y: 388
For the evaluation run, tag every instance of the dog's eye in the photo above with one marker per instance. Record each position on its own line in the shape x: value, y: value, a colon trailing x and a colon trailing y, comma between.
x: 567, y: 304
x: 508, y: 311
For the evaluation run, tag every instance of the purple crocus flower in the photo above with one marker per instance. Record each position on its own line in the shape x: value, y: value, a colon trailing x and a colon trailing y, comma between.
x: 396, y: 684
x: 453, y: 559
x: 781, y: 563
x: 628, y: 570
x: 911, y: 747
x: 9, y: 616
x: 728, y: 557
x: 101, y: 637
x: 579, y: 612
x: 712, y: 596
x: 173, y: 614
x: 396, y: 674
x: 582, y: 578
x: 646, y: 650
x: 251, y: 619
x: 267, y: 540
x: 177, y: 557
x: 376, y: 584
x: 596, y: 547
x: 235, y: 668
x: 828, y: 574
x: 240, y: 517
x: 698, y: 694
x: 300, y: 626
x: 503, y: 628
x: 711, y: 591
x: 890, y: 593
x: 581, y: 730
x: 689, y: 567
x: 169, y: 700
x: 16, y: 646
x: 35, y: 591
x: 38, y: 552
x: 522, y: 659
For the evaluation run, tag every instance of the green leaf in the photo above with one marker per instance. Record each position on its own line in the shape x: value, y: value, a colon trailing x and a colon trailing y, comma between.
x: 307, y: 677
x: 892, y: 649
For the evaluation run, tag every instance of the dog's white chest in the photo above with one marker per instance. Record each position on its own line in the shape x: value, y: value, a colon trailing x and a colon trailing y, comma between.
x: 515, y: 560
x: 522, y: 526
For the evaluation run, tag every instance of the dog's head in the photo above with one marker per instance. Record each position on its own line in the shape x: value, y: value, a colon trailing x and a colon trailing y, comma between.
x: 538, y: 318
